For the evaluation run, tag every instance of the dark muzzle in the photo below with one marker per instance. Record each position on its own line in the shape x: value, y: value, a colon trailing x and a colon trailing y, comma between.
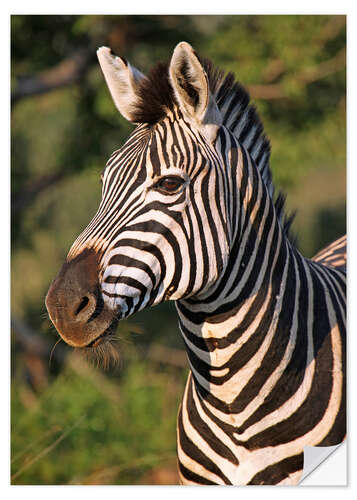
x: 74, y: 301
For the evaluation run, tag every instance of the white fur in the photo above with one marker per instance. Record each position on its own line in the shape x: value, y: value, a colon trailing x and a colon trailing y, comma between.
x: 122, y: 80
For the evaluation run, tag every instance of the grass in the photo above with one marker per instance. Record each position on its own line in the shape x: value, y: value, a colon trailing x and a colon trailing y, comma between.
x: 88, y: 427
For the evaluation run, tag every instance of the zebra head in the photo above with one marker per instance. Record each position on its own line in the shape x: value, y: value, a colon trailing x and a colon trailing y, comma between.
x: 162, y: 229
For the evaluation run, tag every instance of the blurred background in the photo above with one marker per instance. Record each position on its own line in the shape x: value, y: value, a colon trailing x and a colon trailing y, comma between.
x: 73, y: 422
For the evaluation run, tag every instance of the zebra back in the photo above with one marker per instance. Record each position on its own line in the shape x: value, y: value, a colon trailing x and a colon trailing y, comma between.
x: 334, y: 255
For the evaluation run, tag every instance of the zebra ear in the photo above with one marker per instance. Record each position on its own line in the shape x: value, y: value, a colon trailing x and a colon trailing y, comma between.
x: 122, y: 80
x: 190, y: 83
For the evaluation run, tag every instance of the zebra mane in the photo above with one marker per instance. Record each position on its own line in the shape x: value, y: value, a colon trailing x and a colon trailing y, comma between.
x: 242, y: 119
x: 156, y: 97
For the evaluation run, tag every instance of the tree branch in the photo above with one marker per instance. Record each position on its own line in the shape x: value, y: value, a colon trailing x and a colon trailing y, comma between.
x: 305, y: 77
x: 336, y: 63
x: 68, y: 71
x: 25, y: 197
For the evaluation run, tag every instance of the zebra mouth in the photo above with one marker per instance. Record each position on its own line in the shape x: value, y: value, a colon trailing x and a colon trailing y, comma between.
x: 105, y: 336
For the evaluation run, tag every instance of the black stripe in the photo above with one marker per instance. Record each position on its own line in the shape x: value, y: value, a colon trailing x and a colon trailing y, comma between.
x: 292, y: 377
x: 279, y: 471
x: 195, y: 453
x: 205, y: 432
x: 311, y: 411
x: 129, y: 262
x: 193, y: 477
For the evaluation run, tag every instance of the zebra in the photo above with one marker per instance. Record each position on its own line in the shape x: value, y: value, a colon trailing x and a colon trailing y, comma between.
x: 189, y: 213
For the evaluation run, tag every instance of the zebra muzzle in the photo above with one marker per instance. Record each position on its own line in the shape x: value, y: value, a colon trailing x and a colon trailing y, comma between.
x: 75, y: 304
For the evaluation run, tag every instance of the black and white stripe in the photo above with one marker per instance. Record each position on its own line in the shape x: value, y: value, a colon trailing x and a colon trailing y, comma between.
x: 267, y: 355
x: 264, y: 327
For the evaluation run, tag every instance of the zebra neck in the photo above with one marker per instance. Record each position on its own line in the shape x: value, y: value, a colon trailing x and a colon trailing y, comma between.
x: 250, y: 312
x: 225, y: 348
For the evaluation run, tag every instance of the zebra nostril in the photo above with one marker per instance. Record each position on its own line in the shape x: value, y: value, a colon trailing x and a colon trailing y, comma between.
x: 84, y: 308
x: 82, y: 305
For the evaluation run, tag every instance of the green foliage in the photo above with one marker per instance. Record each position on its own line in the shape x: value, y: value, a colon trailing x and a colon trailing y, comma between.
x: 294, y: 68
x: 123, y: 422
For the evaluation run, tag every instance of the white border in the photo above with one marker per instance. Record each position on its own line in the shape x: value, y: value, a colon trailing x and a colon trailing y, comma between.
x: 181, y: 7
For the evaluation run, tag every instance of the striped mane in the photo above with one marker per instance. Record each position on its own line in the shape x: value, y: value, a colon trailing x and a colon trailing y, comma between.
x: 156, y: 98
x: 241, y: 118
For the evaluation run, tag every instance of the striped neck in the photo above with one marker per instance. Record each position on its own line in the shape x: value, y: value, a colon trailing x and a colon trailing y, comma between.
x: 234, y: 323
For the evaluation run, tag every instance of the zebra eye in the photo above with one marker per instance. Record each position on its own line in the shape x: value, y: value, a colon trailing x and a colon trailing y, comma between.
x: 170, y: 184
